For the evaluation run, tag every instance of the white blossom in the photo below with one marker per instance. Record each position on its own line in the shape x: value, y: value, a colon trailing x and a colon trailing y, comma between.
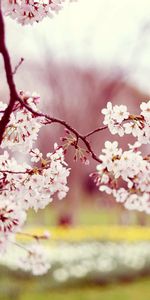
x: 36, y: 155
x: 35, y: 260
x: 12, y: 217
x: 28, y: 12
x: 121, y: 195
x: 145, y: 110
x: 131, y: 168
x: 120, y: 113
x: 23, y: 127
x: 114, y: 116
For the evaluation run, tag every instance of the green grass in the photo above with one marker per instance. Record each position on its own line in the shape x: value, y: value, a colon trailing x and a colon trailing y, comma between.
x: 20, y: 286
x: 85, y: 216
x: 132, y: 291
x: 98, y: 216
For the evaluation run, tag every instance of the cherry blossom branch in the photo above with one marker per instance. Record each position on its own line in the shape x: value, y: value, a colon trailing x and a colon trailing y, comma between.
x: 9, y: 76
x: 15, y: 172
x: 95, y: 130
x: 51, y: 120
x: 14, y: 97
x: 131, y: 117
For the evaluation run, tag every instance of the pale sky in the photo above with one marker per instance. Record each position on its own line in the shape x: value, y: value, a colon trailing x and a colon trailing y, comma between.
x: 104, y: 32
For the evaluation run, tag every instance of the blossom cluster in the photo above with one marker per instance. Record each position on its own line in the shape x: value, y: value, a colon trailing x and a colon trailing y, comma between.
x: 125, y: 175
x: 35, y: 261
x: 24, y: 186
x: 30, y: 11
x: 23, y: 127
x: 120, y: 122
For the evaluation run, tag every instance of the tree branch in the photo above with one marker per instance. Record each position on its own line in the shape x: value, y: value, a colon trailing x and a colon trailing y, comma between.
x: 14, y: 97
x: 9, y: 76
x: 66, y: 125
x: 95, y: 130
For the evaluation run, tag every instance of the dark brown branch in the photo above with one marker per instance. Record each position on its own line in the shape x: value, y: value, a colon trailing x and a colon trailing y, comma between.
x: 95, y: 130
x: 65, y: 124
x: 15, y: 172
x: 9, y: 76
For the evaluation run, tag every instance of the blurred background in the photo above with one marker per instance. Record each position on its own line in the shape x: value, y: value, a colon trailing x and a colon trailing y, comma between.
x: 91, y: 53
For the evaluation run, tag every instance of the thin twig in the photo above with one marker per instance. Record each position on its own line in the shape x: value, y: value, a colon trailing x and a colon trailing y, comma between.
x: 95, y: 130
x: 18, y: 65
